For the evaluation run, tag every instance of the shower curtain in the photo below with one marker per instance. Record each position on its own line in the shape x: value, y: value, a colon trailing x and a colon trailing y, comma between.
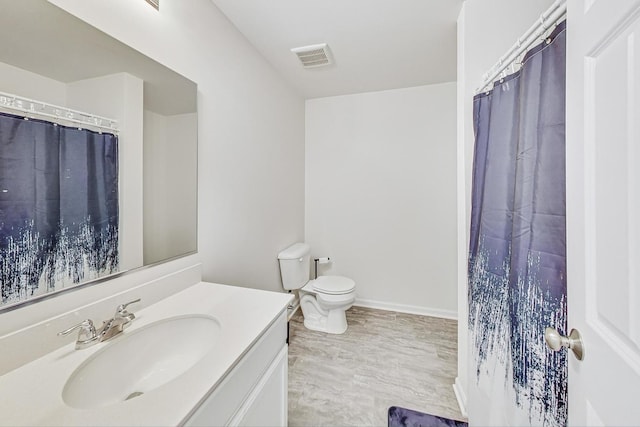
x: 58, y: 206
x: 517, y: 265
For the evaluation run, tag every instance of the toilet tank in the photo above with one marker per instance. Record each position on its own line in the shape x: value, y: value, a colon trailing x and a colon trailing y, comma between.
x: 294, y: 266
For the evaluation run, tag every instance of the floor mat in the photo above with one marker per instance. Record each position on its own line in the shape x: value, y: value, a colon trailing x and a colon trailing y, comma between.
x: 401, y: 417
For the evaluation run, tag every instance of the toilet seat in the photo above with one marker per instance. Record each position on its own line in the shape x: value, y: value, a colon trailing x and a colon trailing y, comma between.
x: 342, y: 297
x: 324, y: 303
x: 333, y: 285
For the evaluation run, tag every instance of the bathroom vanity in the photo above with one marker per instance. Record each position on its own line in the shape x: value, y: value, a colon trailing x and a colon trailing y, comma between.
x: 208, y: 355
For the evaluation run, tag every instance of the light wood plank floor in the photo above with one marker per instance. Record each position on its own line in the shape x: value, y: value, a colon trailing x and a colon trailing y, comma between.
x: 384, y: 359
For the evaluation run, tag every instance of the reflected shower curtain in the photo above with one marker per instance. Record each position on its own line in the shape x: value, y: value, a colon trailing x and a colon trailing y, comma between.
x: 58, y: 206
x: 517, y: 264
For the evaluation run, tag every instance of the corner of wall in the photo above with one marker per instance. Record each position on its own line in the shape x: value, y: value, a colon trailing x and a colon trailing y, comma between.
x: 460, y: 385
x: 461, y: 396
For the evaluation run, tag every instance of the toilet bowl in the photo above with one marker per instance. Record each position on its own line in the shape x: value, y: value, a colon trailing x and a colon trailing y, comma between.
x: 323, y: 300
x: 324, y: 303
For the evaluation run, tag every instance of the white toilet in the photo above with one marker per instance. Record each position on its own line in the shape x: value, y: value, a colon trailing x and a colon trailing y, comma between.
x: 323, y: 300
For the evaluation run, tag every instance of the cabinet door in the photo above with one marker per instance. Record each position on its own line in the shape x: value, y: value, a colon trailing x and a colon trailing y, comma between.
x: 267, y: 403
x: 240, y: 397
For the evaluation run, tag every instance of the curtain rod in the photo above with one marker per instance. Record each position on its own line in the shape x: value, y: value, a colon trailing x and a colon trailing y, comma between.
x: 29, y: 107
x: 549, y: 18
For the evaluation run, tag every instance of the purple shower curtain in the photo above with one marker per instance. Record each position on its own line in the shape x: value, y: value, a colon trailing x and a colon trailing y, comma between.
x: 58, y: 206
x: 517, y: 263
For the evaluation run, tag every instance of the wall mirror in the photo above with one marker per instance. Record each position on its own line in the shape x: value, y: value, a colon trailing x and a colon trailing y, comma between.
x: 88, y: 121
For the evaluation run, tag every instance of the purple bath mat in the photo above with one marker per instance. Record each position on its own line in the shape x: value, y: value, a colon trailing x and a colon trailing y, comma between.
x: 401, y: 417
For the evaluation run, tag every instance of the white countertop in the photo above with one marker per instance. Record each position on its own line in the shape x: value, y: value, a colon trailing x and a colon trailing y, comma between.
x: 32, y: 394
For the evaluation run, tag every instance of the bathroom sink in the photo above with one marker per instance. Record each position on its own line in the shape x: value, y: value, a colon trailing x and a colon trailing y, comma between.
x: 140, y: 361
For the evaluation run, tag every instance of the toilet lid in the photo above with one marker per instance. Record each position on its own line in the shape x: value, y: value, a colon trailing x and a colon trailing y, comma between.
x: 334, y: 285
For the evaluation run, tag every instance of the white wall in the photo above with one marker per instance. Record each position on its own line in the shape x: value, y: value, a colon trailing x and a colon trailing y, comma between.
x: 486, y: 30
x: 170, y: 185
x: 156, y: 156
x: 16, y: 81
x: 182, y: 133
x: 120, y: 96
x: 380, y: 194
x: 250, y: 128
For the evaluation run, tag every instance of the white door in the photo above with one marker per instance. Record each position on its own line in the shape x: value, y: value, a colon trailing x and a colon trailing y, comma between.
x: 603, y: 209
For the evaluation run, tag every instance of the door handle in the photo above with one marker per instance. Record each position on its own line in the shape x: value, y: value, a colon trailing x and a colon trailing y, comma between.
x: 555, y: 341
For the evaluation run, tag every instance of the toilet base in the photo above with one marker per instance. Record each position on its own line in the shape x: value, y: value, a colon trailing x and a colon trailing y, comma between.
x: 316, y: 318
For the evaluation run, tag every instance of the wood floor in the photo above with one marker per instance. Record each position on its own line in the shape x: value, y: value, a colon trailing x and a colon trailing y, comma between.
x: 384, y: 359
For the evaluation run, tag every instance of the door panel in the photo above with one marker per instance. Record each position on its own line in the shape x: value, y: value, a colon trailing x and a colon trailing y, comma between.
x: 603, y: 196
x: 609, y: 140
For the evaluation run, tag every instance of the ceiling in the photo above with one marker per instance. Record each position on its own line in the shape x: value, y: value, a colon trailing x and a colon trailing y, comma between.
x: 376, y: 44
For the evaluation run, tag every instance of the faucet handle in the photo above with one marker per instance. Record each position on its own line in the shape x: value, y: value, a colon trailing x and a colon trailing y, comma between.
x: 87, y: 330
x: 122, y: 307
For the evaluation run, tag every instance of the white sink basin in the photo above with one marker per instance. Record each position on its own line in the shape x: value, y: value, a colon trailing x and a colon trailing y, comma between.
x: 140, y: 361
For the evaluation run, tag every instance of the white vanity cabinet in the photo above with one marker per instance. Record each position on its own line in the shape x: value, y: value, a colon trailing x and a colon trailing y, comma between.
x: 254, y: 392
x: 239, y: 379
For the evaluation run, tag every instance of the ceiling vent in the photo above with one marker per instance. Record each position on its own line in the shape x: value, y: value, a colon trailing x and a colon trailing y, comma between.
x: 316, y: 55
x: 154, y: 3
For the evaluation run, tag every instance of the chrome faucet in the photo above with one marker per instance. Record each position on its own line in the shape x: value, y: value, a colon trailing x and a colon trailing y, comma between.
x: 88, y: 335
x: 114, y: 326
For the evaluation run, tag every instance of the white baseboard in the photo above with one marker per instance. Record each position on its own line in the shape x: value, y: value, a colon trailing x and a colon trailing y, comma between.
x: 461, y: 396
x: 403, y: 308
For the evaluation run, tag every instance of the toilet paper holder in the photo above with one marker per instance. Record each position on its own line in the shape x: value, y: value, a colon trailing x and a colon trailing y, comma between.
x: 320, y: 261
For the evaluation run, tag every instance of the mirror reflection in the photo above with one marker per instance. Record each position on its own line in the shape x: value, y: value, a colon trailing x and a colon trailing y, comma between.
x: 98, y: 155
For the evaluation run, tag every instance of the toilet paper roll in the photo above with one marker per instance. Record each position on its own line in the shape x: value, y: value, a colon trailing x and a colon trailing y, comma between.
x: 323, y: 260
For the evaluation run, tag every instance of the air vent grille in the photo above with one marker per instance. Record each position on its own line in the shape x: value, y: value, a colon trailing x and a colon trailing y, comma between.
x: 154, y: 3
x: 315, y: 55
